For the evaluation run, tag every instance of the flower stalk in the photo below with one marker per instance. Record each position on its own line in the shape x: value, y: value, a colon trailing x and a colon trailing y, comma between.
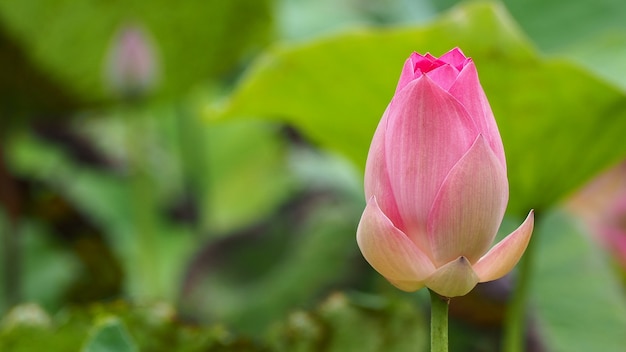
x: 438, y: 322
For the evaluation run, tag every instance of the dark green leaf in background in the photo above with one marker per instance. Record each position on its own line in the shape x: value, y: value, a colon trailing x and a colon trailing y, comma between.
x: 67, y: 41
x: 24, y: 87
x: 246, y: 179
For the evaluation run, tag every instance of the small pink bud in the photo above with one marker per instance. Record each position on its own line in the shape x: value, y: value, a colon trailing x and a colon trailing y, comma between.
x: 436, y: 184
x: 601, y: 206
x: 613, y: 229
x: 132, y: 64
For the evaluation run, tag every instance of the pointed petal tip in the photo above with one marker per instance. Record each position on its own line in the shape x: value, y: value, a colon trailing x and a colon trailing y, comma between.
x: 503, y: 257
x: 456, y: 278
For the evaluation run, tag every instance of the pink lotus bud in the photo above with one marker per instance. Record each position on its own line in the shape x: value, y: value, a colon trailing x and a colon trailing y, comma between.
x: 613, y: 229
x: 436, y: 184
x: 132, y: 66
x: 601, y: 205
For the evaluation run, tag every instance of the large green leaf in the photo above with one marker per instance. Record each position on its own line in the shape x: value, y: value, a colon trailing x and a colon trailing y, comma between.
x: 557, y: 24
x: 195, y: 40
x: 578, y: 302
x: 603, y: 54
x: 591, y: 32
x: 555, y: 119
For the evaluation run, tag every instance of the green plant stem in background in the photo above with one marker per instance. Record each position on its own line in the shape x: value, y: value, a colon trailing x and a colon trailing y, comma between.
x: 438, y: 322
x: 194, y: 167
x: 515, y: 324
x: 10, y: 243
x: 145, y: 257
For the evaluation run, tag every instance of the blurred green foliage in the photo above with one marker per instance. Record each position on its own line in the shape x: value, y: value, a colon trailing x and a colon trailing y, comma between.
x: 219, y: 213
x: 195, y: 41
x: 572, y: 278
x: 392, y: 323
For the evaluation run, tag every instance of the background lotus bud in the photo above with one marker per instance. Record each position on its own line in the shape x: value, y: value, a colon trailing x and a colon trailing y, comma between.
x: 614, y: 230
x: 436, y: 184
x: 601, y: 205
x: 132, y: 63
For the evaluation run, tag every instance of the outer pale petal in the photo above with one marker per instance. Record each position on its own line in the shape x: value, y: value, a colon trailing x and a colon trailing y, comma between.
x: 456, y: 278
x: 469, y: 92
x: 469, y: 206
x: 390, y: 251
x: 427, y: 133
x: 502, y: 257
x: 377, y: 178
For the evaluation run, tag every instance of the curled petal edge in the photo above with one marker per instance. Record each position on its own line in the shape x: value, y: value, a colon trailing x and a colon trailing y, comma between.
x: 390, y: 251
x: 504, y: 256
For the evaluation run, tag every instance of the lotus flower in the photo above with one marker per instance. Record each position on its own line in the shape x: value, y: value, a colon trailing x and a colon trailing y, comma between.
x: 132, y: 62
x: 436, y: 184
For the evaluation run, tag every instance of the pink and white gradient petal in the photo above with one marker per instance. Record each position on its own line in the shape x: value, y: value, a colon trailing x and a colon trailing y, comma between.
x: 469, y: 207
x: 390, y: 251
x: 503, y: 257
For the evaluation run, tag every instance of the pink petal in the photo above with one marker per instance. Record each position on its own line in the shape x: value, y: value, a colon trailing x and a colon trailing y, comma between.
x: 415, y: 66
x: 408, y: 73
x: 469, y: 206
x: 377, y: 178
x: 389, y: 251
x: 444, y: 76
x: 614, y: 238
x: 502, y: 257
x: 428, y: 131
x: 430, y: 57
x: 455, y: 57
x: 456, y: 278
x: 424, y: 63
x: 469, y: 92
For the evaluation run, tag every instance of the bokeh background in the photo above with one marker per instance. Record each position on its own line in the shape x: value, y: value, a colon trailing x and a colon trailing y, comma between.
x: 188, y: 176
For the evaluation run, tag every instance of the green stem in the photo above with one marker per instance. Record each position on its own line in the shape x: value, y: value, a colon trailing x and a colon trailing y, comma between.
x: 10, y: 245
x: 143, y: 200
x: 515, y: 324
x: 438, y: 322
